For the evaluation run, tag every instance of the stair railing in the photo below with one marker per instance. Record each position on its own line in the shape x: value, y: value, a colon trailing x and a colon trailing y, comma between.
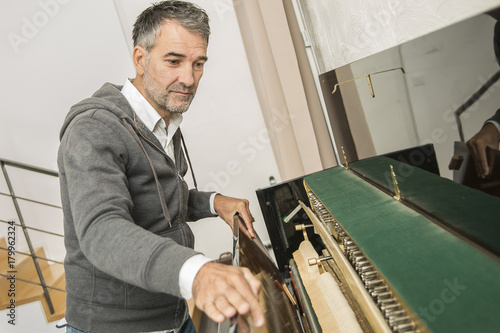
x: 25, y: 228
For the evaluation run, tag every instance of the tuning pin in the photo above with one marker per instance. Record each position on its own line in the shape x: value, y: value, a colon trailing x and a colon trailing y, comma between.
x: 385, y: 302
x: 350, y: 248
x: 374, y: 293
x: 380, y: 289
x: 365, y: 269
x: 348, y: 242
x: 370, y: 284
x: 369, y: 275
x: 387, y: 309
x: 358, y: 265
x: 359, y: 258
x: 354, y: 254
x: 384, y: 297
x: 405, y: 327
x: 398, y: 313
x: 396, y: 321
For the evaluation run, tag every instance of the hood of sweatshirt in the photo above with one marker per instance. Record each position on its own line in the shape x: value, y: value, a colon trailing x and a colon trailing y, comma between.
x: 108, y: 97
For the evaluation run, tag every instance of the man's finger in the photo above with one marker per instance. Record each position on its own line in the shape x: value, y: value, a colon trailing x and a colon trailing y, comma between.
x: 247, y: 219
x: 491, y: 165
x: 237, y: 300
x: 213, y: 313
x: 246, y: 231
x: 251, y: 295
x: 222, y: 304
x: 482, y: 160
x: 257, y: 315
x: 253, y: 282
x: 472, y: 145
x: 221, y: 291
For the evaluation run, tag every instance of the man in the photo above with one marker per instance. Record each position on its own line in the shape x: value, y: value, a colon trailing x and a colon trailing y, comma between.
x: 488, y: 136
x: 130, y: 262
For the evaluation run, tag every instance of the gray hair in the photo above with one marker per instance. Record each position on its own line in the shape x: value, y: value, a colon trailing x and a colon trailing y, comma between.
x: 148, y: 23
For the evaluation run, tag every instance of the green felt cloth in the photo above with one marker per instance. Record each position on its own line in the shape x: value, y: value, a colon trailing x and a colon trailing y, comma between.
x: 451, y: 285
x: 474, y: 213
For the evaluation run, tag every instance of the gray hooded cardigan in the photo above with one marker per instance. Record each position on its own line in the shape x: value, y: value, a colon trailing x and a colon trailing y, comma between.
x: 123, y: 256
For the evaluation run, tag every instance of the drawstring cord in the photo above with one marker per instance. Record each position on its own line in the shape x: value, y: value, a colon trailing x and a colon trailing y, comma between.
x: 189, y: 160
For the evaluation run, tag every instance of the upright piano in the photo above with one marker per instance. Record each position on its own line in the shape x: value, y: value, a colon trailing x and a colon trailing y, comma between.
x: 379, y: 245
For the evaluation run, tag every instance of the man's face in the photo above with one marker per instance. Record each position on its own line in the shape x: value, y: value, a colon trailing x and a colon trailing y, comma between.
x: 174, y: 68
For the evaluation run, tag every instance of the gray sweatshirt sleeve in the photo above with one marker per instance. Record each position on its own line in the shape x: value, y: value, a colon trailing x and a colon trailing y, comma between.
x: 198, y: 205
x: 93, y: 162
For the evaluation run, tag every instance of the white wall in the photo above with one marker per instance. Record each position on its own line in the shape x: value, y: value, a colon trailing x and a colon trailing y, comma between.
x: 50, y: 61
x: 57, y: 52
x: 388, y: 113
x: 442, y: 70
x: 345, y: 31
x: 29, y: 318
x: 54, y: 54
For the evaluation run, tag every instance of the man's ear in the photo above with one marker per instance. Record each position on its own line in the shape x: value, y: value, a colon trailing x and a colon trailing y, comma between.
x: 139, y: 57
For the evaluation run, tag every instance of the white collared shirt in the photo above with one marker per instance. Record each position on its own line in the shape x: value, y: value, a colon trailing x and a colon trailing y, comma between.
x: 152, y: 119
x: 156, y: 124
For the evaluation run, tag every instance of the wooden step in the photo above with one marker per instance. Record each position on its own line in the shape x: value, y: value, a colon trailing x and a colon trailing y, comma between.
x: 26, y: 292
x: 23, y: 268
x: 29, y: 292
x: 58, y: 299
x: 3, y: 255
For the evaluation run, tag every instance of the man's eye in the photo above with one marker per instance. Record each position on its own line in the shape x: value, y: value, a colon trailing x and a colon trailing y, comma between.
x: 199, y: 64
x: 173, y: 62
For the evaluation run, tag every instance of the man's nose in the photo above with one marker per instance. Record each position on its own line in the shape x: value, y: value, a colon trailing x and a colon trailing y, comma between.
x: 186, y: 76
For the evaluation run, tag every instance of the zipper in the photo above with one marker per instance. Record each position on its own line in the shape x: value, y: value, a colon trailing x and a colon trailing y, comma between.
x: 157, y: 148
x: 180, y: 180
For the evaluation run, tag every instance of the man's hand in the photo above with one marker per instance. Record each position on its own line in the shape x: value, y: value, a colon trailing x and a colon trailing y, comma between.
x: 226, y: 207
x: 486, y: 137
x: 222, y: 291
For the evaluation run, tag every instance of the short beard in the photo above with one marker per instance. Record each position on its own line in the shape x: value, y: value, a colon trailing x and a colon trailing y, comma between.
x: 161, y: 96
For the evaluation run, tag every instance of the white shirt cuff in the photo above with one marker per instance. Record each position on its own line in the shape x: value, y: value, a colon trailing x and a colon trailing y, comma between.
x: 188, y: 272
x: 212, y: 207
